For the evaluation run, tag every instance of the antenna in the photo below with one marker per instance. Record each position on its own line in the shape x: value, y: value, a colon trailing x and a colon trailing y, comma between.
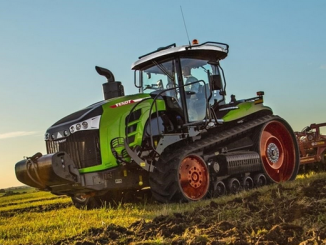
x: 184, y: 22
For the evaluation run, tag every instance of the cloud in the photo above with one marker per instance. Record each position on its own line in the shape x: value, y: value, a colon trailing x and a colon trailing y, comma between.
x: 16, y: 134
x: 323, y: 67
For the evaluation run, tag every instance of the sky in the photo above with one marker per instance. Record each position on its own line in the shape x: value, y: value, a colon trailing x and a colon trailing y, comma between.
x: 48, y: 51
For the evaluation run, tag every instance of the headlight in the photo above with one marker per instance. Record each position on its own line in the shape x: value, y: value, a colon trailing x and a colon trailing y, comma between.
x: 89, y: 124
x: 78, y: 126
x: 72, y: 129
x: 66, y: 133
x: 85, y: 125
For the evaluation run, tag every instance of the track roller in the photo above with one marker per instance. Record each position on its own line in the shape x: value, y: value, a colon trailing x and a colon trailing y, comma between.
x: 219, y: 189
x: 233, y: 185
x: 247, y: 183
x: 260, y: 180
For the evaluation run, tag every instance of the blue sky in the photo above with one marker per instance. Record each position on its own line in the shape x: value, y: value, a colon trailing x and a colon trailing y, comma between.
x: 48, y: 51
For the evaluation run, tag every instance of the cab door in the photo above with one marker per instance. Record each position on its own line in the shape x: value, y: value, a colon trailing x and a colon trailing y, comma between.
x: 198, y: 95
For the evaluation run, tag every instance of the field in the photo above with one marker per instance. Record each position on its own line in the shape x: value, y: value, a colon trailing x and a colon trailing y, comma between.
x: 288, y: 213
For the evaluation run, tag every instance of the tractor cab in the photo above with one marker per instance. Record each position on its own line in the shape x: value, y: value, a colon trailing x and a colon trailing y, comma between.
x: 189, y: 77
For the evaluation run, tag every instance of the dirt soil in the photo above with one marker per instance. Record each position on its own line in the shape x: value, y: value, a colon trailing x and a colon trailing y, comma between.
x: 278, y: 216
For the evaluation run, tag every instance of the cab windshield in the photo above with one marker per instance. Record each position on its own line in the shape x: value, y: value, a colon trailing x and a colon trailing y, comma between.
x: 196, y: 76
x: 160, y: 76
x: 193, y: 79
x: 195, y: 72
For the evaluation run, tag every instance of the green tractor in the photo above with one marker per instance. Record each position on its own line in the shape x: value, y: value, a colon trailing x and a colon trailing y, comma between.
x: 177, y: 140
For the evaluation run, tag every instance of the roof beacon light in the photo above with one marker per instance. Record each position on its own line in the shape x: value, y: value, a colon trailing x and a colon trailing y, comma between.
x: 195, y: 42
x: 260, y: 93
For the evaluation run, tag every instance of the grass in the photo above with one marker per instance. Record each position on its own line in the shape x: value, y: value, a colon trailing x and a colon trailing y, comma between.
x: 42, y: 218
x: 26, y: 199
x: 39, y: 227
x: 47, y: 227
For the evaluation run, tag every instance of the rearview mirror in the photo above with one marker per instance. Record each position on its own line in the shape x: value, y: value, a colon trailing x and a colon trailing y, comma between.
x: 215, y: 82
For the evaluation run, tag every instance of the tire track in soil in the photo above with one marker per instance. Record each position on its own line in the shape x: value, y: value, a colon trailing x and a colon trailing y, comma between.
x: 30, y: 201
x: 275, y: 219
x: 35, y: 209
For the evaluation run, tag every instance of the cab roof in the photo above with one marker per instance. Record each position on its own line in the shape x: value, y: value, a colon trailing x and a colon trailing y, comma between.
x: 213, y: 51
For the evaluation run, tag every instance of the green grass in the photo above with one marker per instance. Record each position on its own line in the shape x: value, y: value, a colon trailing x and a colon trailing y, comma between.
x: 42, y: 218
x: 33, y: 227
x: 47, y: 227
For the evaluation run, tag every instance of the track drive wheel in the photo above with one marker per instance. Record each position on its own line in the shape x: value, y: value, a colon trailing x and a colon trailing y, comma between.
x: 278, y: 150
x: 182, y: 179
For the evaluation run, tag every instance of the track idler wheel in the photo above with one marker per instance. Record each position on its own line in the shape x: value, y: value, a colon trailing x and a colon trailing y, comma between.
x: 183, y: 178
x: 193, y: 177
x: 247, y: 183
x: 260, y: 180
x: 278, y: 149
x: 233, y: 185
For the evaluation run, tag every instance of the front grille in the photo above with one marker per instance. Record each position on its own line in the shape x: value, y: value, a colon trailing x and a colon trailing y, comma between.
x: 83, y: 147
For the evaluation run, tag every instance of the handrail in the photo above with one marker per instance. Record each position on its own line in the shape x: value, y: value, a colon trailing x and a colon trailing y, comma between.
x: 158, y: 96
x: 157, y: 50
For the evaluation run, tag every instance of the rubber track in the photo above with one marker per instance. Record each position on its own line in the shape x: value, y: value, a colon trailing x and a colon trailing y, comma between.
x: 226, y: 135
x: 164, y: 181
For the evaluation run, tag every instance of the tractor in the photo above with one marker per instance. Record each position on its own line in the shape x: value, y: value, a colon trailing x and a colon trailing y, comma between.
x: 178, y: 139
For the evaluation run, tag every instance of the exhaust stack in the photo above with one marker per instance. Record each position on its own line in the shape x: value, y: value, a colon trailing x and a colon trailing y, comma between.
x: 111, y: 89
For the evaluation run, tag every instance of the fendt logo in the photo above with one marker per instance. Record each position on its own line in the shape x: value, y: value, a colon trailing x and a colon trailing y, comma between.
x: 127, y: 102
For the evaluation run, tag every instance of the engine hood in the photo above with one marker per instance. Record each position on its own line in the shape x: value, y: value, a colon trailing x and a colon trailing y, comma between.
x: 89, y: 116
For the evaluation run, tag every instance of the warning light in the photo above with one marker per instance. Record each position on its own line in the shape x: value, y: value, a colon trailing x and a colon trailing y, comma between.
x: 259, y: 99
x: 194, y: 42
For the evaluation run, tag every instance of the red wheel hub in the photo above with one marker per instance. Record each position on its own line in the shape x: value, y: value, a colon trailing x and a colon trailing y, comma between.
x: 193, y: 177
x: 274, y: 152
